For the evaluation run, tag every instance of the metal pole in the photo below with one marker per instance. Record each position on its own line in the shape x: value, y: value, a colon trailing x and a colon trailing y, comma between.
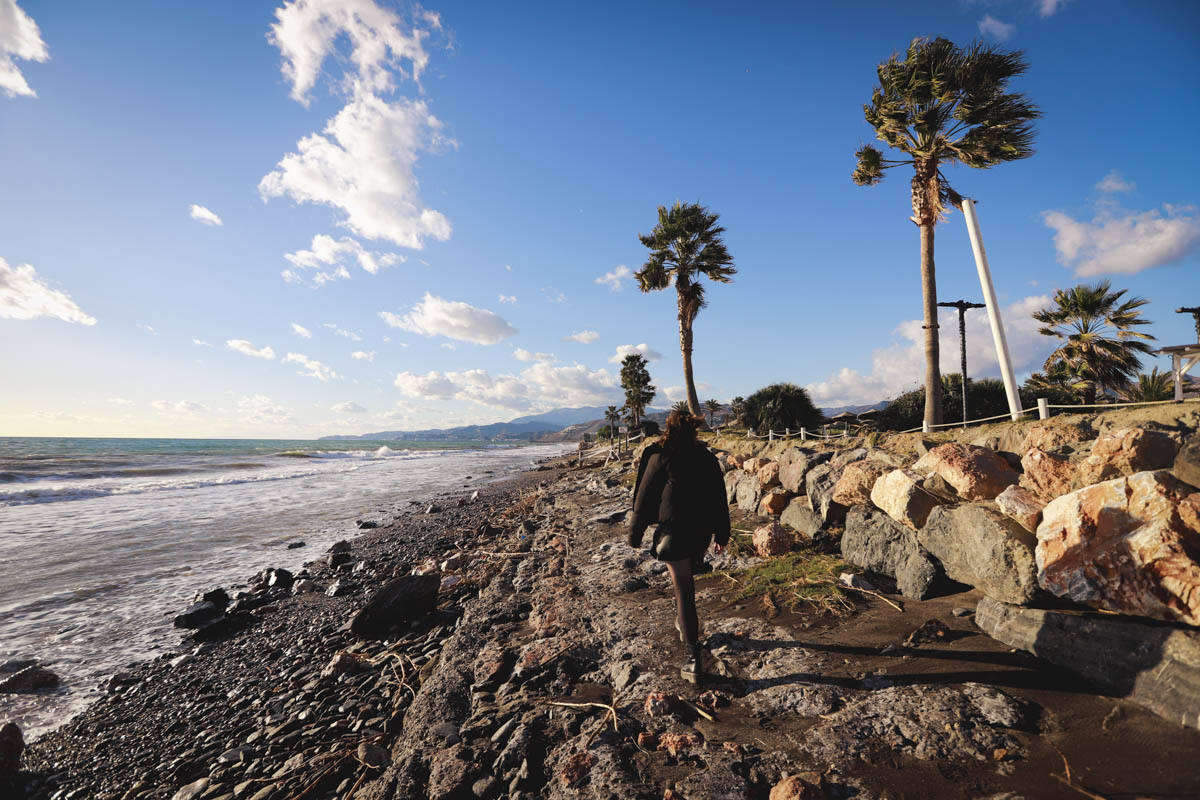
x: 993, y: 309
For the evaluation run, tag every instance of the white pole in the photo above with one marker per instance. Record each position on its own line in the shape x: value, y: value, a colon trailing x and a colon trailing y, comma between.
x: 993, y: 310
x: 1043, y: 408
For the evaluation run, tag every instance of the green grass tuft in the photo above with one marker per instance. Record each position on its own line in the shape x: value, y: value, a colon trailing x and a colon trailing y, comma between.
x: 803, y: 577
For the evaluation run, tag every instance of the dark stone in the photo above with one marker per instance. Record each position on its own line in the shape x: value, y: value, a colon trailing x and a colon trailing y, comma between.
x: 279, y: 578
x: 295, y: 545
x: 398, y: 601
x: 29, y: 679
x: 16, y: 664
x: 366, y: 524
x: 341, y: 546
x: 876, y: 542
x: 222, y: 628
x: 340, y: 558
x: 339, y: 588
x: 12, y: 745
x: 218, y: 597
x: 197, y: 614
x: 433, y: 508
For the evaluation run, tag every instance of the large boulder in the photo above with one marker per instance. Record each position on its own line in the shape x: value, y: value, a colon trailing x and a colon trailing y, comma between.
x: 819, y: 485
x: 900, y: 495
x: 29, y: 679
x: 1047, y: 475
x: 399, y: 600
x: 1126, y: 451
x: 1021, y: 505
x: 732, y: 479
x: 768, y: 475
x: 748, y: 493
x: 858, y: 478
x: 752, y: 465
x: 794, y: 464
x: 773, y: 540
x: 876, y: 542
x: 1054, y: 436
x: 800, y: 518
x: 773, y: 502
x: 976, y: 473
x: 1187, y: 461
x: 1155, y: 665
x: 983, y: 548
x: 1130, y: 545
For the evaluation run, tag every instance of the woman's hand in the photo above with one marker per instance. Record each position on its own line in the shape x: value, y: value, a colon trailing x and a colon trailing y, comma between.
x: 719, y: 548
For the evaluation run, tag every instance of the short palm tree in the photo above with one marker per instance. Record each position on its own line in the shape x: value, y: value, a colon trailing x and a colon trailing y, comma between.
x: 612, y: 415
x: 682, y: 407
x: 1100, y: 341
x: 685, y: 245
x: 737, y: 407
x: 712, y: 407
x: 940, y: 105
x: 1150, y: 387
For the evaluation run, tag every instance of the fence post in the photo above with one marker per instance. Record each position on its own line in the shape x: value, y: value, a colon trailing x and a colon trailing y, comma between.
x: 925, y: 426
x: 770, y: 436
x: 787, y: 433
x: 1043, y: 408
x: 803, y: 434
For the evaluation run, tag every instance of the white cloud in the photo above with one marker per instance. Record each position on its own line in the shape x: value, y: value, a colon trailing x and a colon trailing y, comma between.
x: 1113, y: 182
x: 508, y: 298
x: 508, y: 267
x: 300, y: 330
x: 448, y: 346
x: 179, y: 407
x: 258, y: 409
x: 328, y: 256
x: 629, y: 349
x: 203, y: 215
x: 540, y: 386
x: 993, y: 28
x: 19, y: 39
x: 348, y: 407
x: 148, y: 329
x: 311, y: 368
x: 1047, y: 7
x: 453, y: 319
x: 245, y: 348
x: 120, y: 401
x: 23, y: 295
x: 553, y: 295
x: 615, y: 279
x: 351, y: 335
x: 676, y: 393
x: 583, y: 337
x: 201, y: 343
x: 363, y: 164
x: 362, y: 355
x: 1124, y: 242
x: 521, y: 354
x: 900, y: 366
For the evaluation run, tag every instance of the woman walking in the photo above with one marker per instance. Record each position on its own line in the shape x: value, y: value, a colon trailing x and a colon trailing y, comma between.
x: 682, y: 489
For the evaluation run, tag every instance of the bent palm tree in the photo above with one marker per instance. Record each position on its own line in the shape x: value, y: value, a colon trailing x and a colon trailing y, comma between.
x: 1100, y: 343
x: 685, y: 245
x: 942, y: 104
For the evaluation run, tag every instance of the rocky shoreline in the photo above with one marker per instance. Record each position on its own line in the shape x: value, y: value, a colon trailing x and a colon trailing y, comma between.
x: 549, y: 668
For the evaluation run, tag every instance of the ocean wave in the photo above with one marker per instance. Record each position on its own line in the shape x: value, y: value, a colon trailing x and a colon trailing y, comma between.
x: 114, y: 471
x: 380, y: 452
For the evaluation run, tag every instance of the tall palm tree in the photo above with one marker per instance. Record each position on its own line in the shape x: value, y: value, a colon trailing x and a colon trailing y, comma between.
x: 612, y: 415
x: 635, y: 380
x: 940, y: 105
x: 1100, y: 340
x: 737, y: 406
x: 712, y: 407
x: 685, y: 245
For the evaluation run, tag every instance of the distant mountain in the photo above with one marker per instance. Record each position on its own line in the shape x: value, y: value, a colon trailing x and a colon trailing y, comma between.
x: 833, y: 412
x: 497, y: 431
x: 562, y: 417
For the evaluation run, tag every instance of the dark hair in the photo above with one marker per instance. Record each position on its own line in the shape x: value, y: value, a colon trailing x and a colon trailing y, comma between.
x: 680, y: 434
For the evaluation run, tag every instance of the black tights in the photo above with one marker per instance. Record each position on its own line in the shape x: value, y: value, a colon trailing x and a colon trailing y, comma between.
x: 685, y: 599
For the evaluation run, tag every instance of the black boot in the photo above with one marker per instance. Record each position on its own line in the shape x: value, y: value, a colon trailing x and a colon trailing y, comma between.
x: 692, y: 666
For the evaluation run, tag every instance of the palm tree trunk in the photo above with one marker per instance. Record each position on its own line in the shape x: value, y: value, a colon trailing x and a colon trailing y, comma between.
x: 933, y: 378
x: 685, y: 346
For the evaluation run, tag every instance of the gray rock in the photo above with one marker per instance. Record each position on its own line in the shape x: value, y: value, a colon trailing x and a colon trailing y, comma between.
x: 1187, y: 461
x: 1155, y: 665
x: 876, y: 542
x: 373, y: 755
x: 400, y: 600
x: 192, y: 790
x: 16, y: 664
x: 29, y: 679
x: 486, y: 787
x: 339, y: 588
x: 303, y: 586
x: 625, y: 674
x: 819, y: 485
x: 794, y: 465
x: 197, y: 615
x: 800, y: 518
x: 732, y: 479
x: 983, y: 548
x: 748, y: 493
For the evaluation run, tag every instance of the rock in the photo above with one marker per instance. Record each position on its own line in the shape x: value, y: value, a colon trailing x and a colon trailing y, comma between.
x: 433, y: 508
x: 366, y: 524
x: 794, y: 464
x: 936, y: 485
x: 218, y: 597
x: 1047, y: 475
x: 197, y: 615
x: 1155, y: 665
x: 400, y: 600
x: 751, y: 465
x: 220, y: 628
x: 876, y: 542
x: 1130, y: 545
x: 295, y: 545
x: 335, y: 560
x: 486, y: 788
x: 449, y: 769
x: 624, y: 674
x: 16, y: 664
x: 192, y: 790
x: 1124, y: 452
x: 1187, y: 461
x: 303, y: 586
x: 819, y: 483
x: 900, y: 494
x: 1022, y: 505
x: 983, y: 548
x: 774, y: 502
x: 344, y: 663
x: 806, y: 786
x: 800, y: 518
x: 773, y: 540
x: 12, y: 745
x: 768, y: 475
x: 732, y: 479
x: 657, y: 704
x: 340, y: 546
x: 1051, y: 437
x: 976, y: 473
x: 29, y: 679
x: 962, y: 611
x: 735, y: 460
x: 279, y: 578
x: 339, y: 588
x: 373, y: 755
x: 748, y: 493
x: 853, y: 488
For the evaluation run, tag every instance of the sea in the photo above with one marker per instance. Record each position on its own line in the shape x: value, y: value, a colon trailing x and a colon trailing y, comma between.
x: 103, y: 541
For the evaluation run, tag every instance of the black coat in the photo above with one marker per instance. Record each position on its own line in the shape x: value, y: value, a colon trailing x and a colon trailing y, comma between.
x: 683, y: 492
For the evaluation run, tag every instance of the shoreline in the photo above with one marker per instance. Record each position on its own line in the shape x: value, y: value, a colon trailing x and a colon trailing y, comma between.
x: 505, y: 689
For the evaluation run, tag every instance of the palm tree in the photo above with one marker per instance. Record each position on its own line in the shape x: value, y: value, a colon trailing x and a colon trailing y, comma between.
x: 682, y: 407
x: 939, y: 105
x: 635, y: 380
x: 612, y: 415
x: 737, y: 406
x: 781, y: 406
x: 685, y: 245
x: 712, y: 407
x: 1100, y: 343
x: 1150, y: 387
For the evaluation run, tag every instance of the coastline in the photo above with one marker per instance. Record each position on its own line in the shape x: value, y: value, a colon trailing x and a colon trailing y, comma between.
x: 506, y: 689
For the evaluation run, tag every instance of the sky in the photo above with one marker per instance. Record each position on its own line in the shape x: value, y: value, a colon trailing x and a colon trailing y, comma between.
x: 290, y: 219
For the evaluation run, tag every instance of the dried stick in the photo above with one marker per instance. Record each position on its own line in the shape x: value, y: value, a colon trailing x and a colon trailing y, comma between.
x: 868, y: 591
x: 700, y: 711
x: 611, y: 711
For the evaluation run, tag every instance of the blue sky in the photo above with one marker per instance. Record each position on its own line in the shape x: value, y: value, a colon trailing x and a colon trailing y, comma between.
x: 442, y: 191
